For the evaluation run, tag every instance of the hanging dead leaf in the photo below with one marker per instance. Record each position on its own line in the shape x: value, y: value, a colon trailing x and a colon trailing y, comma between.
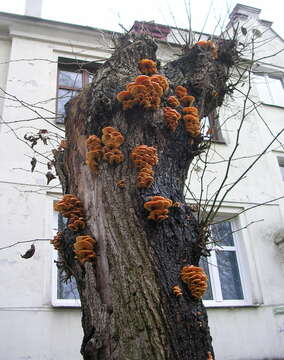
x: 49, y: 177
x: 29, y: 253
x: 244, y: 30
x: 33, y: 163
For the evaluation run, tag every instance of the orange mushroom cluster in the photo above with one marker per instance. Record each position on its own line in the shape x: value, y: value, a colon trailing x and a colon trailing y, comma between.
x: 209, y: 45
x: 112, y: 140
x: 147, y: 67
x: 95, y: 152
x: 173, y: 101
x: 144, y: 158
x: 145, y: 91
x: 56, y: 241
x: 191, y: 120
x: 158, y: 207
x: 71, y: 207
x: 177, y: 290
x: 84, y: 248
x: 183, y: 96
x: 196, y: 280
x: 171, y: 117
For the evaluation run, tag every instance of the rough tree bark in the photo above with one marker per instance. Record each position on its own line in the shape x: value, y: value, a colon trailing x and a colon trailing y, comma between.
x: 128, y: 308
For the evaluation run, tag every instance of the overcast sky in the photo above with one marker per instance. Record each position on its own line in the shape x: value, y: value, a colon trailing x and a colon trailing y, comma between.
x: 107, y: 14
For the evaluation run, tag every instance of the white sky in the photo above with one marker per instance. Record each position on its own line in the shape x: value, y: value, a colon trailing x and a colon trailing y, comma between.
x: 107, y: 14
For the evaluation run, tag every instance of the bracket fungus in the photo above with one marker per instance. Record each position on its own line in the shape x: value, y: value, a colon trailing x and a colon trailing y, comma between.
x: 158, y: 207
x: 84, y: 248
x: 196, y: 280
x: 113, y: 155
x: 146, y: 90
x: 147, y: 67
x: 180, y: 91
x: 71, y: 207
x: 209, y: 45
x: 95, y: 152
x: 56, y: 241
x: 177, y: 290
x: 191, y: 120
x: 173, y: 101
x: 112, y: 139
x: 171, y: 117
x: 144, y: 158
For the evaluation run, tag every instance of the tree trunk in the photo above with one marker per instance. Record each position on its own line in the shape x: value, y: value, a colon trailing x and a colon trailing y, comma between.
x: 128, y: 306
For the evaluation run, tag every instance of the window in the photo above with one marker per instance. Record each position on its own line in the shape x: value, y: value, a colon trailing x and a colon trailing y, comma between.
x: 64, y: 293
x: 225, y: 279
x: 73, y: 76
x: 270, y: 89
x: 210, y: 127
x: 281, y: 167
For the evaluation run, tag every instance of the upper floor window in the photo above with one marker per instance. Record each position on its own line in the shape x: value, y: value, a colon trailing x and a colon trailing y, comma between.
x: 270, y: 89
x: 224, y: 268
x: 73, y: 76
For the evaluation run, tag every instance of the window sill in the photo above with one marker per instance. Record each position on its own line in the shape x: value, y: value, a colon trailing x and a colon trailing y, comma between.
x: 66, y: 303
x: 230, y: 306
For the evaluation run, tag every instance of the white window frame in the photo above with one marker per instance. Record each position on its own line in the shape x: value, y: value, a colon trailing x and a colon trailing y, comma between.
x: 266, y: 77
x: 218, y: 300
x: 55, y: 301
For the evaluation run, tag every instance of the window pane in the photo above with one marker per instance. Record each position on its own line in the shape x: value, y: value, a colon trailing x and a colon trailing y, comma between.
x: 90, y: 77
x: 70, y: 79
x: 276, y: 89
x: 204, y: 264
x: 222, y: 234
x: 63, y: 97
x: 262, y: 89
x: 65, y: 289
x: 229, y: 275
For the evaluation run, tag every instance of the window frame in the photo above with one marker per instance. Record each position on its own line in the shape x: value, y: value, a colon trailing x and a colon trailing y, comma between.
x: 75, y: 66
x: 266, y: 76
x: 238, y: 248
x: 55, y: 301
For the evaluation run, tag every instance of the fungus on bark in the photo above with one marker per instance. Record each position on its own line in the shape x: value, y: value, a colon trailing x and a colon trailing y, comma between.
x: 177, y: 290
x: 146, y: 90
x: 147, y: 67
x: 84, y: 248
x: 158, y: 207
x: 144, y: 158
x: 56, y: 241
x: 72, y: 208
x: 95, y: 152
x: 209, y: 45
x: 196, y: 280
x: 173, y: 101
x: 171, y: 117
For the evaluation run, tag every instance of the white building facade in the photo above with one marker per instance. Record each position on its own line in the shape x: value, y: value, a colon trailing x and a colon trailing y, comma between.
x: 42, y: 64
